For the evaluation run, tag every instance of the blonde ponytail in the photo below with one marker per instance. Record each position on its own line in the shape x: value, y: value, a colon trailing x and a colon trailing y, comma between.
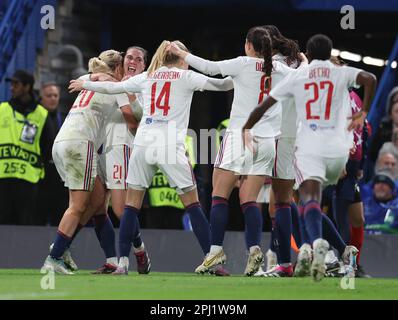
x: 159, y: 56
x: 106, y: 62
x: 163, y: 57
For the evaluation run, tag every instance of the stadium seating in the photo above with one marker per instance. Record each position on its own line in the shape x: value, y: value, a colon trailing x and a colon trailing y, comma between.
x: 21, y: 37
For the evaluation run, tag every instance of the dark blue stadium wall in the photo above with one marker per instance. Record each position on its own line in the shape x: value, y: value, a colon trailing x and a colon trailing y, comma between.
x: 327, y: 5
x: 21, y: 37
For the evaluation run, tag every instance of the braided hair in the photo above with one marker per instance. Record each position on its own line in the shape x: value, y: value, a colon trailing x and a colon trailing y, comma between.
x: 262, y: 44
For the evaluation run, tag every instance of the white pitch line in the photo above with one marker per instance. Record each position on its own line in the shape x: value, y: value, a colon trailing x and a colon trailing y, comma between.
x: 32, y: 295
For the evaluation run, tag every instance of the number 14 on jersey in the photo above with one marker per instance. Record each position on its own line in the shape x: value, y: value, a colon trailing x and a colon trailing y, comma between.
x: 160, y: 100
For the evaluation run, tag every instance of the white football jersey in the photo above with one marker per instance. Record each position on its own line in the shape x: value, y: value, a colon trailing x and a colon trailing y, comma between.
x: 116, y: 129
x: 251, y: 86
x: 167, y: 96
x: 88, y: 115
x: 289, y: 115
x: 320, y: 91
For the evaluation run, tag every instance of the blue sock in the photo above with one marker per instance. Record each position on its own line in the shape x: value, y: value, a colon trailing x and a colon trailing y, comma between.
x: 303, y: 231
x: 137, y: 241
x: 295, y: 224
x: 340, y: 213
x: 78, y: 228
x: 128, y: 231
x: 105, y: 234
x: 200, y: 226
x: 331, y: 234
x: 273, y: 245
x: 218, y: 220
x: 61, y: 243
x: 313, y: 220
x: 283, y: 224
x: 253, y: 223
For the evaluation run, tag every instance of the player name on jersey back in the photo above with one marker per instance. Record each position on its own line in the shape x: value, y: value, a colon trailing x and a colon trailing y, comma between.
x: 322, y: 102
x: 165, y: 75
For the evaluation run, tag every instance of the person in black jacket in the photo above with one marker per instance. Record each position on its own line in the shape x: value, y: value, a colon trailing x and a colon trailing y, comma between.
x: 53, y: 195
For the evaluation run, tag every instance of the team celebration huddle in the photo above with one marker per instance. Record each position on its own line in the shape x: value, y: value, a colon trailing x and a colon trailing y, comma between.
x: 292, y: 119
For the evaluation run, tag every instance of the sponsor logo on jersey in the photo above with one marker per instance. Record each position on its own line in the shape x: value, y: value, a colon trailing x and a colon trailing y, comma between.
x: 313, y: 126
x: 148, y: 120
x: 160, y: 121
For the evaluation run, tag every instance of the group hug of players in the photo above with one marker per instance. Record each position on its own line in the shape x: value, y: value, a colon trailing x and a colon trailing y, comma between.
x: 292, y: 119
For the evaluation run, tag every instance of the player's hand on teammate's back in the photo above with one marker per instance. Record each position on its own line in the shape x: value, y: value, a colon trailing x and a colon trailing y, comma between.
x: 75, y: 85
x: 357, y: 120
x: 303, y: 58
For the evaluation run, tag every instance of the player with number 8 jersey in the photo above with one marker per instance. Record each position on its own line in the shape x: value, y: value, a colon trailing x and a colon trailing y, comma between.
x: 253, y: 76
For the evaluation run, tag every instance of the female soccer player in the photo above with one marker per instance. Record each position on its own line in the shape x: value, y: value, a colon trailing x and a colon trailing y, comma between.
x: 113, y: 165
x: 285, y: 51
x: 74, y: 153
x: 252, y: 81
x: 323, y: 141
x: 167, y: 90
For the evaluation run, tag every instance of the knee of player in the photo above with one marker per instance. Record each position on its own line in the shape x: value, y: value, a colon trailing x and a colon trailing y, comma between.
x: 245, y: 196
x: 282, y: 197
x: 118, y: 209
x: 79, y: 209
x: 96, y: 207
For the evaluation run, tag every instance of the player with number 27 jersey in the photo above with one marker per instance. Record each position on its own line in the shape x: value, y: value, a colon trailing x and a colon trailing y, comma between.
x: 320, y: 92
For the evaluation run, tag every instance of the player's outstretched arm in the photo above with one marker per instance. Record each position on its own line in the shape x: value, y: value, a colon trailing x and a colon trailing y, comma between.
x: 369, y: 82
x: 104, y: 86
x: 225, y: 84
x: 208, y: 67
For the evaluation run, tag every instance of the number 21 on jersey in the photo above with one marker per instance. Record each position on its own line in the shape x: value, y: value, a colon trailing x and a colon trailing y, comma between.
x: 160, y: 100
x: 323, y: 85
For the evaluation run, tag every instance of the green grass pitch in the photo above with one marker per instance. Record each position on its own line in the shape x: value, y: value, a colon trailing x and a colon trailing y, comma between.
x: 25, y: 284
